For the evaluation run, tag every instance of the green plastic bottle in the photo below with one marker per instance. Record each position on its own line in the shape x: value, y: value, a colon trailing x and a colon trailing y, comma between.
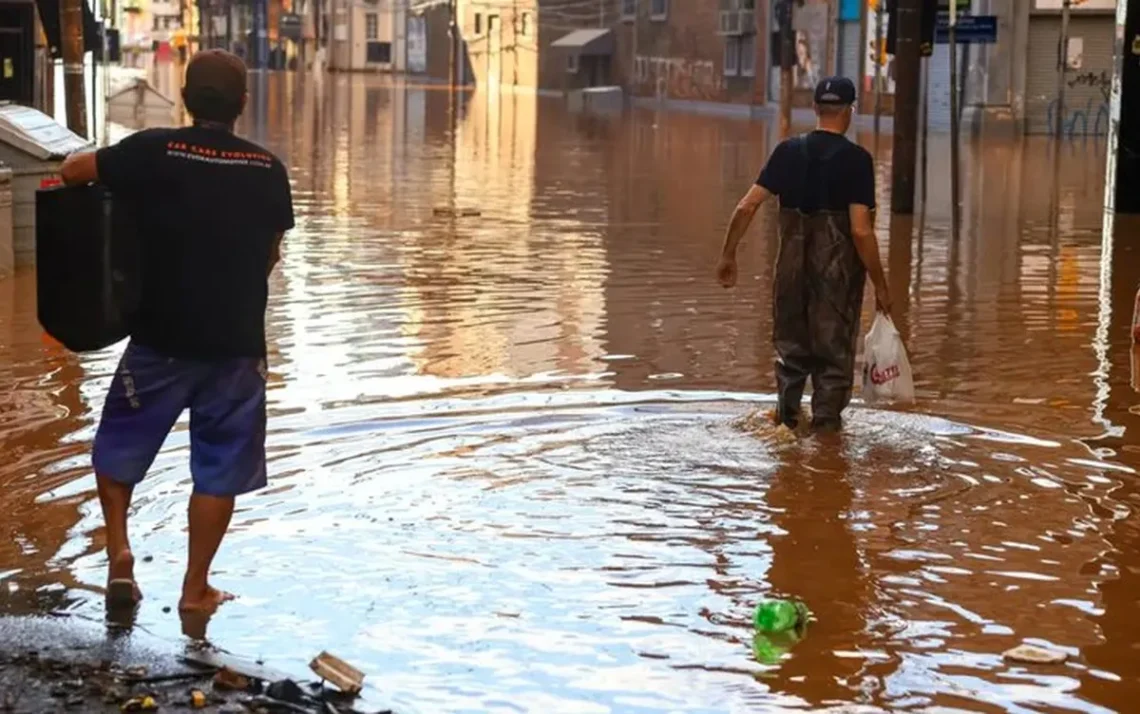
x: 774, y: 616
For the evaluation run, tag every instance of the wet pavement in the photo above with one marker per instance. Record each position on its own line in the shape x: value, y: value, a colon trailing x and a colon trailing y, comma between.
x: 507, y: 469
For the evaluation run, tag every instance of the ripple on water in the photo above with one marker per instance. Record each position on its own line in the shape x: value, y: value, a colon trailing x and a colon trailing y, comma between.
x: 508, y: 473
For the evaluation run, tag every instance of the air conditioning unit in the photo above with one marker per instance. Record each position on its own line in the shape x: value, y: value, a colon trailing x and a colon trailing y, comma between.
x: 729, y: 22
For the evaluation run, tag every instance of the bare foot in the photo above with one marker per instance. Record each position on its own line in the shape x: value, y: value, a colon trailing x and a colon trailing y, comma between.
x: 203, y: 601
x: 121, y: 586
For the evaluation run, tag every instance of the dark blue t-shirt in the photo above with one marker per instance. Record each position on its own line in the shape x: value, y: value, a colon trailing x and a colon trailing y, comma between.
x: 820, y: 170
x: 210, y: 206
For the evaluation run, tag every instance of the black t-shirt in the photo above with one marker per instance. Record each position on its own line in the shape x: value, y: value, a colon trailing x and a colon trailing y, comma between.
x: 831, y: 174
x: 210, y: 207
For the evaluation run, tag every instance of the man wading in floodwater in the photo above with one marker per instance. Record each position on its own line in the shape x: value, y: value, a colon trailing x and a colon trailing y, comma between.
x: 212, y: 211
x: 826, y: 188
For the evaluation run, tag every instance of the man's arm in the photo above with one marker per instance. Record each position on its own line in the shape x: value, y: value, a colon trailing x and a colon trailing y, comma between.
x: 742, y: 218
x: 726, y: 270
x: 863, y: 233
x: 861, y: 211
x: 131, y: 167
x: 79, y: 169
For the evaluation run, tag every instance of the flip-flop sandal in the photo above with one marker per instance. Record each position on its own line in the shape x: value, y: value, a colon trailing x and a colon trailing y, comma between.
x: 121, y: 593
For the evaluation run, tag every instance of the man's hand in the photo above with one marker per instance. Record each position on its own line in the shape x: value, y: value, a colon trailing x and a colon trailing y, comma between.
x: 883, y: 299
x: 726, y: 271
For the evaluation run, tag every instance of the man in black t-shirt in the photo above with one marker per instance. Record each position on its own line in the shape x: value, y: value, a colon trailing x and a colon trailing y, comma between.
x: 212, y: 210
x: 826, y: 188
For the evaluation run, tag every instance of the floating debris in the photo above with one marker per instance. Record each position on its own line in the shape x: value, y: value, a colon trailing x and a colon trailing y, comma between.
x: 1029, y: 654
x: 446, y: 212
x: 343, y: 675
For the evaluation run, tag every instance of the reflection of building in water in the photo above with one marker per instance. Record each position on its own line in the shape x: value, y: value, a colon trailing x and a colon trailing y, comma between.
x: 514, y: 290
x: 673, y: 181
x: 342, y: 135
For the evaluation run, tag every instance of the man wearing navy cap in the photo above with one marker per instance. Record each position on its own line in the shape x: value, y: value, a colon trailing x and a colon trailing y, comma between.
x: 826, y: 188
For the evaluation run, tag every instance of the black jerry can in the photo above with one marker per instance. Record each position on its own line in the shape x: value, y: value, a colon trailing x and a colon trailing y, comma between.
x: 87, y: 266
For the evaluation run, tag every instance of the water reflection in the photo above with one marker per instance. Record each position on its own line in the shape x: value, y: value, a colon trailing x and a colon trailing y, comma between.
x: 505, y: 476
x: 817, y: 559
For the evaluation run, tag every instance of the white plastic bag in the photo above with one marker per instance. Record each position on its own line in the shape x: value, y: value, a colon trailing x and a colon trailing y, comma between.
x: 887, y: 378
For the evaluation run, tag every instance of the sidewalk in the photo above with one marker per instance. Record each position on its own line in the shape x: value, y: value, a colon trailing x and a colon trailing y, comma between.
x: 64, y: 663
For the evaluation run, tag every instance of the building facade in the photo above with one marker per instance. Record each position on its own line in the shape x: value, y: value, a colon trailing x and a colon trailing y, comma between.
x: 366, y: 35
x: 723, y: 55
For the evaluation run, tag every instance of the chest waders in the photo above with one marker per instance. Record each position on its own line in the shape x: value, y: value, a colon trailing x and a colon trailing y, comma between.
x: 817, y: 299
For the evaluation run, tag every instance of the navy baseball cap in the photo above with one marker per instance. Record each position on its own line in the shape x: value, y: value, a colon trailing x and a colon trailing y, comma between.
x: 835, y: 91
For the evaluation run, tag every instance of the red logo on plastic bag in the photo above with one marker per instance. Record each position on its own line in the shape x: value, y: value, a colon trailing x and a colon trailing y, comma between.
x: 882, y: 376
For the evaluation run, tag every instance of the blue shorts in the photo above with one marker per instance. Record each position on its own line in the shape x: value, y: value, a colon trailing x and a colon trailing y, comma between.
x: 226, y: 399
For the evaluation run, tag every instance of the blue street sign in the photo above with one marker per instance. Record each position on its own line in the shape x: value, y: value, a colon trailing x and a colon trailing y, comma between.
x: 970, y: 29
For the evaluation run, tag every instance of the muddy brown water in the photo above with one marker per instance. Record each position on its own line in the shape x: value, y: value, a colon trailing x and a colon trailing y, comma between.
x: 506, y: 475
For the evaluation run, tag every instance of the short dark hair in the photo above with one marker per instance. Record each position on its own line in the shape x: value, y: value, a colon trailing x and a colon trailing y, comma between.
x: 215, y: 86
x: 208, y: 104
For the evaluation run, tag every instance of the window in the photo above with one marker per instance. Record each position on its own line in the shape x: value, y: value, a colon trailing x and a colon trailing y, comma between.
x: 371, y: 26
x: 658, y: 9
x: 572, y: 64
x: 740, y: 56
x: 731, y: 56
x: 379, y: 53
x: 629, y: 10
x: 478, y: 23
x: 524, y: 24
x: 747, y: 55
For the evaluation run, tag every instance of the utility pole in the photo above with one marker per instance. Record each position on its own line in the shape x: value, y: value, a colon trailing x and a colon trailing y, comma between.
x: 452, y: 38
x: 925, y: 127
x: 878, y: 65
x: 907, y: 79
x: 787, y: 63
x: 954, y: 129
x: 1062, y: 66
x: 71, y: 21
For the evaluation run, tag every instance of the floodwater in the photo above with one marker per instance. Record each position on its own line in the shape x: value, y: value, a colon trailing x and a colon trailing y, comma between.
x: 507, y: 474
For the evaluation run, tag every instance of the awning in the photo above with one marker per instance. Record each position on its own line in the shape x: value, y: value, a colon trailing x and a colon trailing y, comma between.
x: 587, y: 42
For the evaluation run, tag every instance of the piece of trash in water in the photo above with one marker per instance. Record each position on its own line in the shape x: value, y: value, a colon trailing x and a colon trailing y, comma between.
x: 457, y: 212
x: 226, y: 678
x: 770, y: 648
x: 343, y: 675
x: 140, y: 704
x: 780, y: 616
x: 198, y: 699
x: 1028, y: 654
x: 286, y: 691
x: 136, y: 671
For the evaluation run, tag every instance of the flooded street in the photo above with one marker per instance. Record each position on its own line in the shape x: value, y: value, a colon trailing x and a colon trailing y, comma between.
x: 507, y: 473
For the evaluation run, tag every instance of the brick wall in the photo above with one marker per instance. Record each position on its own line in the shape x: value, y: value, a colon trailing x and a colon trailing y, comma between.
x: 681, y: 56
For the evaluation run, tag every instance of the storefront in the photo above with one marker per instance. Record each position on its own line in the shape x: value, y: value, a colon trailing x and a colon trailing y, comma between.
x: 1088, y: 76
